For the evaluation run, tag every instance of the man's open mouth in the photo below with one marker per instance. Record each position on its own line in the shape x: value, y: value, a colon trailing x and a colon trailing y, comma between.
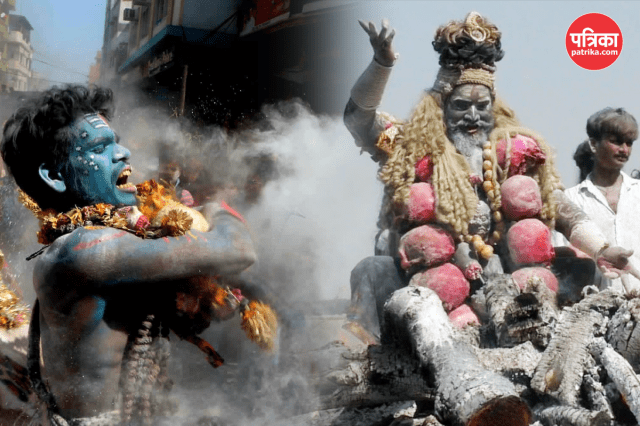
x: 121, y: 182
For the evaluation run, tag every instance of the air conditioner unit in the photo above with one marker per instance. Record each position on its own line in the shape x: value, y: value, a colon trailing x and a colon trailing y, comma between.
x: 130, y: 15
x: 141, y: 2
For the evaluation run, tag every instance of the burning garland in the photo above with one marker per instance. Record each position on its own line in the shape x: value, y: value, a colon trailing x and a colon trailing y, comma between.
x: 13, y: 313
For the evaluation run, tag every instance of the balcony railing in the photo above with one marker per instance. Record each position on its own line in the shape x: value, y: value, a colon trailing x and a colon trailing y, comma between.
x: 17, y: 37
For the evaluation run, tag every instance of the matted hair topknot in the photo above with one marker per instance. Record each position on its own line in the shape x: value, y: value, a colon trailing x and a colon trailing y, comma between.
x: 472, y: 43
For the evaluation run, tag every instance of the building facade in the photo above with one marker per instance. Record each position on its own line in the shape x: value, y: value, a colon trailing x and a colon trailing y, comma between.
x: 6, y: 6
x: 218, y: 61
x: 17, y: 55
x: 116, y: 40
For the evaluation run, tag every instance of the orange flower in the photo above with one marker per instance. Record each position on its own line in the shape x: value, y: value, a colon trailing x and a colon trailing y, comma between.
x: 103, y: 208
x: 219, y: 294
x: 75, y: 215
x: 177, y: 223
x: 260, y: 324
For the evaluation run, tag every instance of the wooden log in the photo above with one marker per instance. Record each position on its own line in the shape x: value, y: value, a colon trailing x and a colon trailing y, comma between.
x: 620, y: 372
x: 467, y: 393
x: 381, y: 415
x: 499, y: 294
x: 375, y: 376
x: 594, y: 391
x: 519, y: 359
x: 386, y: 374
x: 562, y: 365
x: 571, y: 416
x: 623, y: 332
x: 519, y: 316
x: 429, y: 421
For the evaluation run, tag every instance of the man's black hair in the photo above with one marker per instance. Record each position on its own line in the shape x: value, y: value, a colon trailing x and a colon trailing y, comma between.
x: 608, y: 121
x: 584, y: 159
x: 40, y: 132
x: 612, y: 121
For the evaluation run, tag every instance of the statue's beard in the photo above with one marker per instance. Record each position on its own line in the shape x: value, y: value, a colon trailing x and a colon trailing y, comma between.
x: 470, y: 144
x: 466, y: 143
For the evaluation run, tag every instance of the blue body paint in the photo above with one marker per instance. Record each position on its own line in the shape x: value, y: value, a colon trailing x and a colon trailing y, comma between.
x: 98, y: 312
x: 98, y: 168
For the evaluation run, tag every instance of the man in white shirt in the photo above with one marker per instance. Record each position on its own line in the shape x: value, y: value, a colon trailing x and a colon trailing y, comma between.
x: 609, y: 196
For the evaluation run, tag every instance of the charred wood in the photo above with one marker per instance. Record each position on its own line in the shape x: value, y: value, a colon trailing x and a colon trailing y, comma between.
x: 623, y: 332
x: 429, y: 421
x: 378, y: 416
x: 385, y: 374
x: 620, y: 372
x: 375, y: 376
x: 595, y: 393
x: 520, y: 316
x: 572, y: 416
x: 563, y: 363
x: 522, y: 358
x: 467, y: 393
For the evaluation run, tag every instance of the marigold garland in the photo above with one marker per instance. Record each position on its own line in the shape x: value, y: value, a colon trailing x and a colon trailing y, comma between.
x: 13, y: 313
x: 153, y: 197
x: 260, y: 324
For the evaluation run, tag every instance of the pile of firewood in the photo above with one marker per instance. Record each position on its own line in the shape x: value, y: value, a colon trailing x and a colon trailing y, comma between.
x: 530, y: 363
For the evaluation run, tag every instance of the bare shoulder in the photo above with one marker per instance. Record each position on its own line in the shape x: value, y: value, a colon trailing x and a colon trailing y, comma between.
x: 67, y: 252
x: 81, y: 239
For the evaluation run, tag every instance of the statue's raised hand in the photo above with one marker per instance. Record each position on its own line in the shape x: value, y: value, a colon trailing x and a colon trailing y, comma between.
x: 381, y: 42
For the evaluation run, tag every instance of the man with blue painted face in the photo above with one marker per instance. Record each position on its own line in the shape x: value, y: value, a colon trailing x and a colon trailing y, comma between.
x: 98, y: 282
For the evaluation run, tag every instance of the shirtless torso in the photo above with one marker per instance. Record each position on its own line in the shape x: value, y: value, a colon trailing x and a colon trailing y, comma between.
x: 93, y: 284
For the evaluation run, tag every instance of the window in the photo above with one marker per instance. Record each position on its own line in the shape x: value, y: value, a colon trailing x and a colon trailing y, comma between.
x: 144, y: 21
x: 161, y: 10
x: 113, y: 27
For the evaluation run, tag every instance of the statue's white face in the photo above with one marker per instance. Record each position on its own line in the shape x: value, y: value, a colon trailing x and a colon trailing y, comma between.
x: 468, y: 114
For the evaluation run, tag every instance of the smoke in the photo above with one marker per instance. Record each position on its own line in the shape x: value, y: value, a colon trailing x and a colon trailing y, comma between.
x: 312, y: 216
x: 321, y: 214
x: 317, y: 201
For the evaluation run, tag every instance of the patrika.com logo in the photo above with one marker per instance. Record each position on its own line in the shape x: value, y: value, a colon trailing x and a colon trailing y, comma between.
x: 594, y: 41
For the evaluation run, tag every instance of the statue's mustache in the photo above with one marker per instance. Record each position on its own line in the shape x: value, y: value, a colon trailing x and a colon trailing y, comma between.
x: 466, y: 123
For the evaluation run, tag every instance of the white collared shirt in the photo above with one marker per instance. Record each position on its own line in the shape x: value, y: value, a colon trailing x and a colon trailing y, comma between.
x: 621, y: 228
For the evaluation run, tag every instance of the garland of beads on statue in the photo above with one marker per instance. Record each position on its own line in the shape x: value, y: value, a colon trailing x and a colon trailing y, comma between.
x: 491, y: 187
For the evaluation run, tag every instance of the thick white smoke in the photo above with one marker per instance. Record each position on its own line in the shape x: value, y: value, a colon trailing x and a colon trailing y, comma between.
x: 316, y: 216
x: 324, y: 210
x: 314, y: 220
